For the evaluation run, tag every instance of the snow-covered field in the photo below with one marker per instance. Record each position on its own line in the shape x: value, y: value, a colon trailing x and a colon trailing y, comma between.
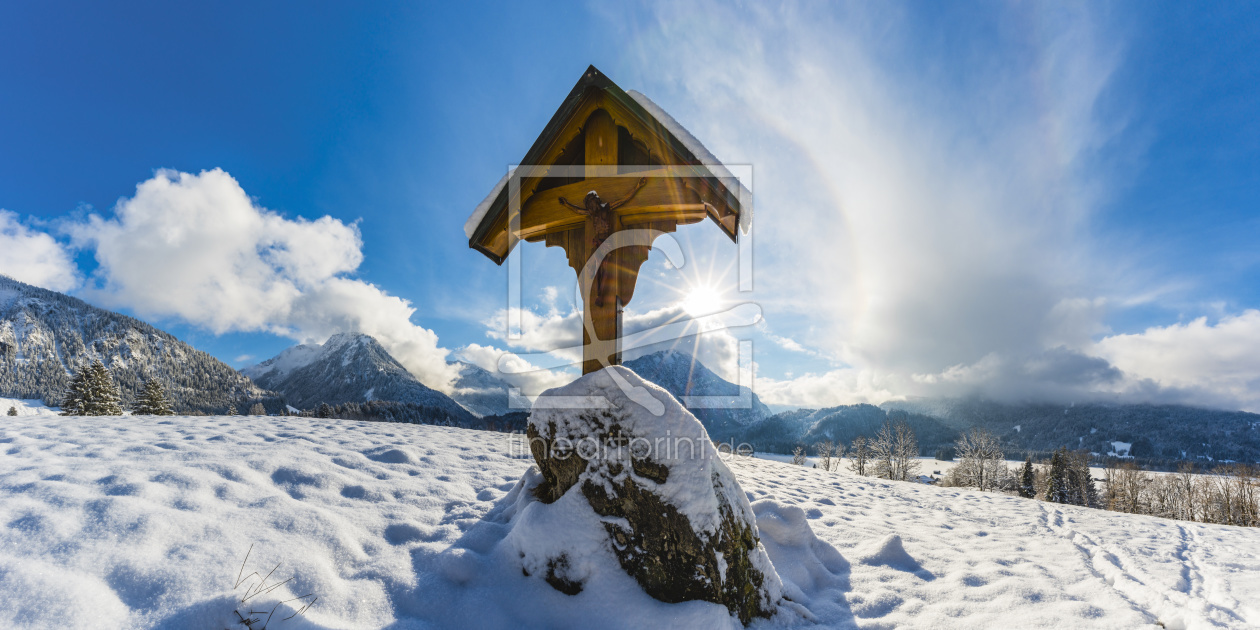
x: 143, y: 521
x: 26, y: 407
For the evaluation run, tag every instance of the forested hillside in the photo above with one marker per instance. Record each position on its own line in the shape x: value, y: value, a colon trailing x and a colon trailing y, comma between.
x: 45, y: 336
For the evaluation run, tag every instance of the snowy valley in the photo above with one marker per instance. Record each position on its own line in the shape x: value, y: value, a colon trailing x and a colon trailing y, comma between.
x: 144, y: 521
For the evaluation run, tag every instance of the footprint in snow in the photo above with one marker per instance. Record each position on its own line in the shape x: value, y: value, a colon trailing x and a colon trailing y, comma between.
x: 403, y: 533
x: 354, y: 492
x: 390, y: 456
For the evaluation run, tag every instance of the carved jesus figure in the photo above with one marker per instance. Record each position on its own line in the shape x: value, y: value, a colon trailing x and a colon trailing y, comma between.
x: 601, y: 214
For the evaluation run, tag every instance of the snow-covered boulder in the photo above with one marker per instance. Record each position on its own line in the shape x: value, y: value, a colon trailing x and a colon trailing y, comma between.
x: 670, y: 510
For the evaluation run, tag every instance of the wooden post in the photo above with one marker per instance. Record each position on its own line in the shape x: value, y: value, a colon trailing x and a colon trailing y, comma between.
x: 601, y: 150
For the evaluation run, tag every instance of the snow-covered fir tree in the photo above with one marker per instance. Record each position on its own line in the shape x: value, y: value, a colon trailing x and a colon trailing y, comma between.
x: 152, y: 400
x: 92, y: 392
x: 12, y: 411
x: 1027, y: 480
x: 101, y: 396
x: 72, y: 402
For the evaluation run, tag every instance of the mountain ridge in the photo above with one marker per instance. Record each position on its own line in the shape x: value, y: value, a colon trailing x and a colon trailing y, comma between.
x: 348, y: 368
x: 683, y: 375
x: 46, y: 335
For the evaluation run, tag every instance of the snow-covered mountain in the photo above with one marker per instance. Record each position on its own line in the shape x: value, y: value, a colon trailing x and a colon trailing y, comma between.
x: 481, y: 392
x: 349, y: 367
x: 681, y: 374
x: 1158, y: 434
x: 45, y: 335
x: 784, y: 431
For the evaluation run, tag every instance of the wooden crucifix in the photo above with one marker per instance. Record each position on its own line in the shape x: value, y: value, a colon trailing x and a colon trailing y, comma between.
x: 636, y: 172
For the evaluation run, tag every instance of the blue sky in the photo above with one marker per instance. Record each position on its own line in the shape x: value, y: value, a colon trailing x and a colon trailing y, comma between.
x: 1026, y: 200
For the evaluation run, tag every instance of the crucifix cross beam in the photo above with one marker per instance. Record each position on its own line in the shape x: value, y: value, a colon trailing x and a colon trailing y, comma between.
x: 608, y: 162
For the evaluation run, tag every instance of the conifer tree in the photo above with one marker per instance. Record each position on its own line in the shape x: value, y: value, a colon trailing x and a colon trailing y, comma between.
x: 1026, y: 480
x: 152, y: 401
x: 101, y: 396
x: 1083, y: 491
x: 1074, y: 482
x: 1057, y: 482
x: 231, y: 410
x: 12, y: 411
x: 72, y: 404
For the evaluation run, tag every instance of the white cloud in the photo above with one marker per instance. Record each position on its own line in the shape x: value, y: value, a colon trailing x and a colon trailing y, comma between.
x: 672, y: 328
x: 197, y: 248
x: 553, y: 339
x: 1217, y: 365
x: 34, y: 257
x: 516, y: 371
x: 930, y: 222
x: 551, y: 331
x: 836, y: 387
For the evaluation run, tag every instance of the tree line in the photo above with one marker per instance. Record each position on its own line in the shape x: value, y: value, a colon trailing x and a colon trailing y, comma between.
x: 892, y: 453
x: 93, y: 392
x: 1228, y: 494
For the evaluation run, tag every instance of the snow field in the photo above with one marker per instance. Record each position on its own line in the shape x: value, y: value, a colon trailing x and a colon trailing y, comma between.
x: 26, y: 407
x: 144, y: 522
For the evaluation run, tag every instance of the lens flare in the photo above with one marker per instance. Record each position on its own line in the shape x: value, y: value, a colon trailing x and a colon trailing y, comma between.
x: 702, y: 300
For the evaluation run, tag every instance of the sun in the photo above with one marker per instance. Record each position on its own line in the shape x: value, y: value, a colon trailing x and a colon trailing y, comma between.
x: 702, y: 300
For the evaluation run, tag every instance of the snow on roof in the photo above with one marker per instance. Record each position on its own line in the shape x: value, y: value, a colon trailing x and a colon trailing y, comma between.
x: 702, y: 154
x: 470, y: 226
x: 692, y: 144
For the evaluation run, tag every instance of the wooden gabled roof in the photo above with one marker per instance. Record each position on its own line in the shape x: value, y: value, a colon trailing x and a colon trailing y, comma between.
x: 666, y: 142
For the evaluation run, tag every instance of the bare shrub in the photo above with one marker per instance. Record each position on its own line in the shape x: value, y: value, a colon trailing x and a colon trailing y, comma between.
x: 860, y: 456
x: 825, y: 450
x: 980, y: 462
x: 798, y: 456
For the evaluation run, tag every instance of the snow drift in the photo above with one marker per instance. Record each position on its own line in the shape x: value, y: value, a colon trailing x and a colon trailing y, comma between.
x: 144, y: 522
